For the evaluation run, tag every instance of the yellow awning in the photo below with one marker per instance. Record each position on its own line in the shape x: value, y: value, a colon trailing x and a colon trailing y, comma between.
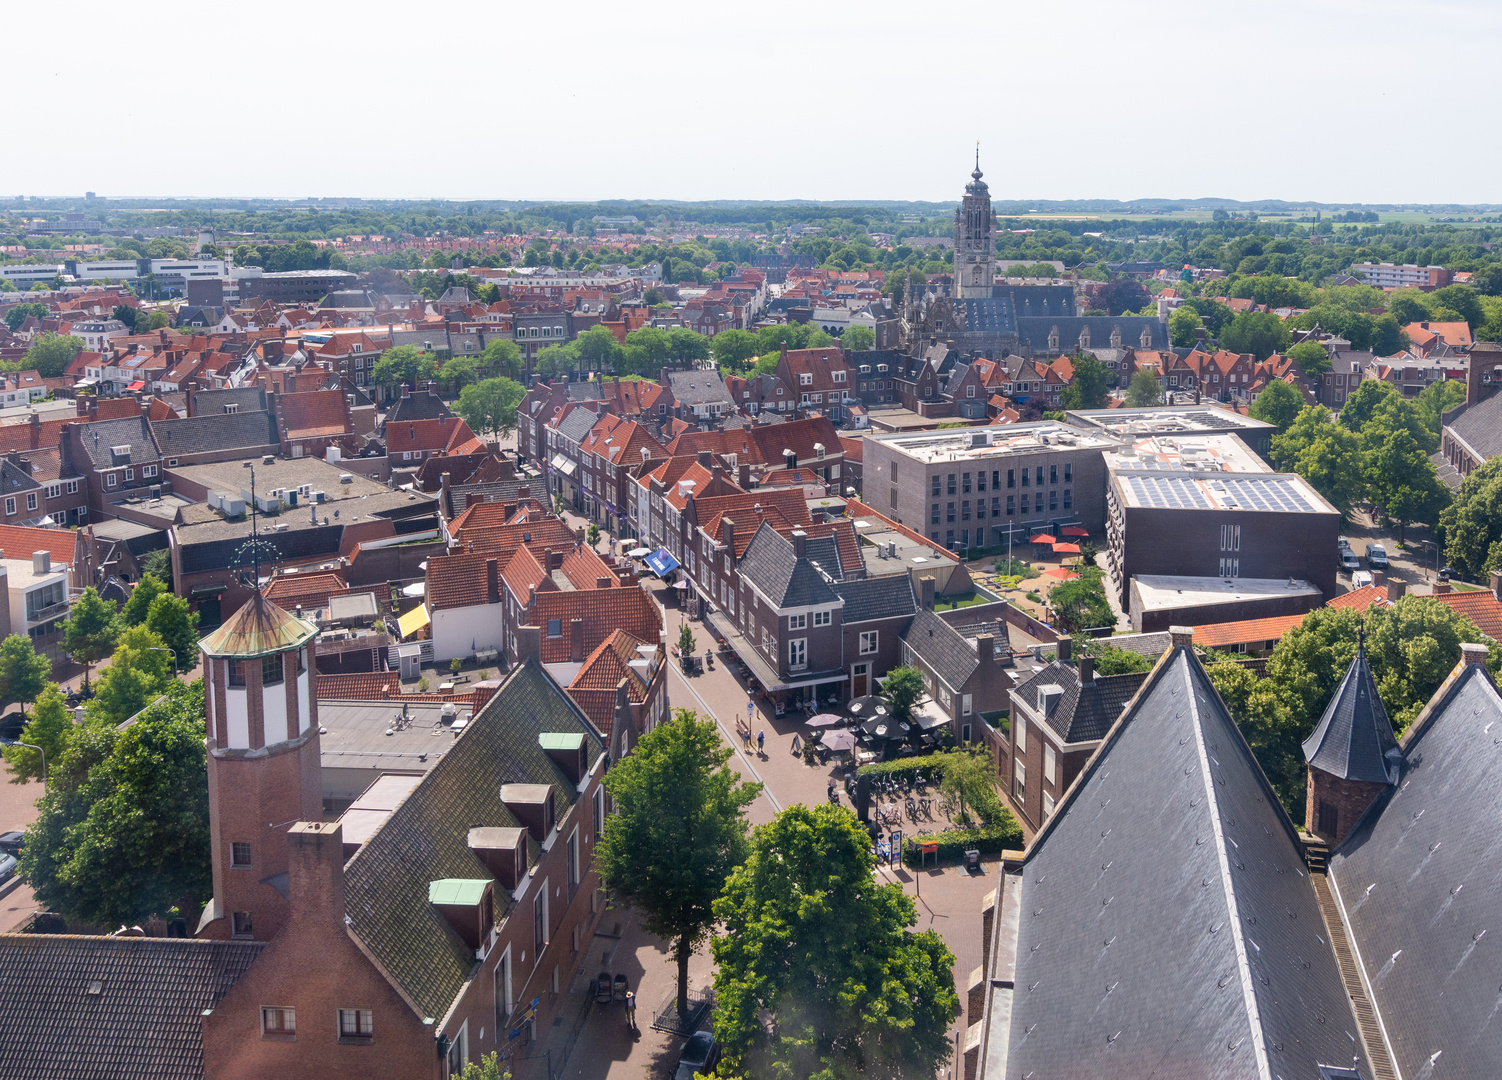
x: 415, y: 620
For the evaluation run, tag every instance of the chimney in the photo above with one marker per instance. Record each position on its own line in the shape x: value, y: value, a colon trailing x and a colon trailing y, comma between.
x: 800, y: 543
x: 926, y: 592
x: 727, y: 535
x: 1379, y: 578
x: 789, y: 459
x: 1441, y: 587
x: 1395, y: 590
x: 41, y: 562
x: 406, y: 393
x: 528, y: 644
x: 1496, y: 581
x: 743, y: 475
x: 1087, y: 671
x: 1065, y: 649
x: 1473, y: 654
x: 602, y: 582
x: 705, y: 458
x: 555, y: 561
x: 985, y: 648
x: 576, y: 641
x: 1180, y: 635
x: 1199, y: 337
x: 492, y: 581
x: 315, y: 871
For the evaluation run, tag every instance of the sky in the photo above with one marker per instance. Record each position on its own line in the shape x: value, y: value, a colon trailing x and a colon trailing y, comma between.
x: 1337, y: 101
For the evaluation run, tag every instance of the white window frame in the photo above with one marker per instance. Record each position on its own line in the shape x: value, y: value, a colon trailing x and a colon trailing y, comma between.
x: 1050, y: 764
x: 870, y: 642
x: 965, y: 703
x: 1021, y: 734
x: 574, y: 876
x: 797, y: 654
x: 798, y: 622
x: 130, y: 474
x: 10, y: 507
x: 72, y: 487
x: 111, y: 480
x: 31, y: 500
x: 823, y: 618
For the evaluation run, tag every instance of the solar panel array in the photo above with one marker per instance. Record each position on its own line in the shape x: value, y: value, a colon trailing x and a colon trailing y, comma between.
x: 1167, y: 492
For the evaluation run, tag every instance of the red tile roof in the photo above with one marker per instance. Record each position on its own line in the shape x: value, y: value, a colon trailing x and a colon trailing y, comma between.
x: 446, y: 434
x: 19, y: 541
x: 314, y: 414
x: 1244, y: 631
x: 359, y: 686
x: 603, y: 611
x: 593, y: 688
x: 1361, y: 598
x: 1482, y: 608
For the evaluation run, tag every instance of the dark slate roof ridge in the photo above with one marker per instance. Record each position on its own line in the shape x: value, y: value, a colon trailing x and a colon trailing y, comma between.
x: 1353, y: 739
x: 945, y: 650
x: 869, y: 599
x: 1277, y: 1020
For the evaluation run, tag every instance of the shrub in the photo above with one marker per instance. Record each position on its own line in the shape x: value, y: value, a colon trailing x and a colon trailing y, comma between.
x: 1005, y: 835
x: 931, y: 767
x: 422, y: 685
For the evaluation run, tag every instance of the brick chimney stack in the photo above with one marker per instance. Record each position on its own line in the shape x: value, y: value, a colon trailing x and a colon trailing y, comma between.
x: 1181, y: 635
x: 315, y: 872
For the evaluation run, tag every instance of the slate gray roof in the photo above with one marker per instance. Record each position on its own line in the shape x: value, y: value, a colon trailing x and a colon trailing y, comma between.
x: 144, y: 1022
x: 1417, y: 885
x: 419, y: 406
x: 208, y: 433
x: 698, y: 388
x: 13, y: 478
x: 1035, y: 330
x: 347, y: 298
x: 502, y: 491
x: 1054, y: 301
x: 948, y: 653
x: 1354, y: 738
x: 244, y: 398
x: 786, y: 580
x: 131, y: 431
x: 1084, y: 713
x: 1479, y: 426
x: 993, y: 315
x: 1167, y: 926
x: 867, y: 599
x: 826, y: 553
x: 426, y: 838
x: 577, y: 424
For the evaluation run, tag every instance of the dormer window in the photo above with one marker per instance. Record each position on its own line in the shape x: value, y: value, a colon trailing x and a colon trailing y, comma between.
x: 805, y: 379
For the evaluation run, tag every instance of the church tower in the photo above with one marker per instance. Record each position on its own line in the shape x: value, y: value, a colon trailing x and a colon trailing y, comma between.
x: 974, y: 240
x: 1352, y: 754
x: 262, y: 705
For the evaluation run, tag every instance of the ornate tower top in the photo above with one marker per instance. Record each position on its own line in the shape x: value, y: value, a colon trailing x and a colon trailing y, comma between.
x: 977, y: 186
x: 974, y: 239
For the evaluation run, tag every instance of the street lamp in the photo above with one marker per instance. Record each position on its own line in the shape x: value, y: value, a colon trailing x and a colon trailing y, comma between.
x: 29, y: 746
x: 165, y: 649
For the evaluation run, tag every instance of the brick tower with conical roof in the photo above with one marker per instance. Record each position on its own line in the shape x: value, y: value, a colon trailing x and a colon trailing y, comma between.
x: 263, y: 756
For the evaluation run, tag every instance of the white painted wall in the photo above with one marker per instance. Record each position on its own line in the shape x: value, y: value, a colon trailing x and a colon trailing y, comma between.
x: 454, y: 629
x: 237, y: 715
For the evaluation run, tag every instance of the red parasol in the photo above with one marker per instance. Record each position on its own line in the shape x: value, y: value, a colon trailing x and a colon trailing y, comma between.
x: 1069, y: 549
x: 1074, y: 530
x: 1044, y: 538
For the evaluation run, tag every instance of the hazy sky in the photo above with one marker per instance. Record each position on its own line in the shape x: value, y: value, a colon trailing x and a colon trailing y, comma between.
x: 1329, y: 100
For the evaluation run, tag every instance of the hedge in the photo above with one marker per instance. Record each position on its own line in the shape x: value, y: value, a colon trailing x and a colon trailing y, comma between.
x: 1004, y: 835
x: 931, y: 767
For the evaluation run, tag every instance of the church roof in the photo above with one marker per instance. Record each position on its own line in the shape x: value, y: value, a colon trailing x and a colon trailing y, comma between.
x: 1354, y: 737
x: 1166, y: 923
x: 258, y: 629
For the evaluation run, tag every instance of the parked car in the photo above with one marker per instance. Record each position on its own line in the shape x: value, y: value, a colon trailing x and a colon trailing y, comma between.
x: 1349, y: 560
x: 1345, y: 544
x: 1376, y: 556
x: 1361, y: 579
x: 11, y: 843
x: 699, y: 1056
x: 7, y: 867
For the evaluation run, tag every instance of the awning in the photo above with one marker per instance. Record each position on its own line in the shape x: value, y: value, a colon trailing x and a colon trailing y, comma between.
x: 661, y: 562
x: 564, y: 465
x: 138, y: 385
x: 415, y: 620
x: 199, y: 591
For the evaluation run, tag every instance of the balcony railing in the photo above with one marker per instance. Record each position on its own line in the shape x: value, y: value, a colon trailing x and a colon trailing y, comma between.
x: 52, y: 611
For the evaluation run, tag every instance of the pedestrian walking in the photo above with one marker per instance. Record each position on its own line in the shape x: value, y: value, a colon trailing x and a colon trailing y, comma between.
x: 761, y: 740
x: 631, y: 1008
x: 746, y: 738
x: 797, y: 746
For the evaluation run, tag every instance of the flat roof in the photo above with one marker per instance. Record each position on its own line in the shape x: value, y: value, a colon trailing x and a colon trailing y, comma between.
x: 1186, y: 453
x: 355, y: 735
x: 20, y: 575
x: 1158, y: 592
x: 876, y: 539
x: 1164, y: 420
x: 1285, y: 493
x: 993, y: 442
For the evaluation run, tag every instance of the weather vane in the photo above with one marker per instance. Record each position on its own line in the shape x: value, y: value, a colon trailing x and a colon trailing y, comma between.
x: 251, y: 550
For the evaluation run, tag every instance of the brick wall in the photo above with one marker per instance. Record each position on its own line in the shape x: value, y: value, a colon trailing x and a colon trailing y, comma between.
x: 1349, y: 798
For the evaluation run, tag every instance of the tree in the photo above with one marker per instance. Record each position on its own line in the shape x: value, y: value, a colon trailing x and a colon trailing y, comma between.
x: 1081, y: 604
x: 1144, y: 390
x: 50, y: 354
x: 1461, y: 299
x: 858, y: 338
x: 404, y: 364
x: 21, y: 312
x: 1090, y: 385
x: 969, y: 783
x: 1121, y: 295
x: 1362, y: 403
x: 23, y: 671
x: 687, y: 643
x: 811, y: 938
x: 176, y: 624
x: 502, y: 357
x: 902, y: 688
x: 1473, y: 523
x: 487, y: 1068
x: 139, y: 605
x: 138, y: 672
x: 126, y: 314
x: 733, y: 349
x: 123, y: 831
x: 597, y: 348
x: 1437, y: 399
x: 1488, y: 280
x: 159, y: 564
x: 459, y: 372
x: 1401, y: 479
x: 50, y: 726
x: 1312, y: 357
x: 1260, y: 333
x: 1413, y: 646
x: 1182, y: 325
x: 1278, y: 404
x: 1408, y: 306
x: 678, y: 830
x: 89, y: 632
x: 147, y: 321
x: 490, y: 406
x: 1323, y: 453
x: 1388, y: 336
x: 556, y: 360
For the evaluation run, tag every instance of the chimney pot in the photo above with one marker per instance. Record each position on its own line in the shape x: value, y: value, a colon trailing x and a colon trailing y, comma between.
x: 1473, y: 654
x: 1181, y: 635
x: 576, y: 641
x: 800, y: 543
x: 1395, y: 590
x: 1065, y: 648
x: 926, y: 585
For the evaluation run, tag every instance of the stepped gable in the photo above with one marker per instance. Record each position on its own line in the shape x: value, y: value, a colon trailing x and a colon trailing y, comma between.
x: 1167, y: 926
x: 1417, y: 883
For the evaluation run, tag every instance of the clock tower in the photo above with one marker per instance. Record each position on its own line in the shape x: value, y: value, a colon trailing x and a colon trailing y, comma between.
x: 974, y: 240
